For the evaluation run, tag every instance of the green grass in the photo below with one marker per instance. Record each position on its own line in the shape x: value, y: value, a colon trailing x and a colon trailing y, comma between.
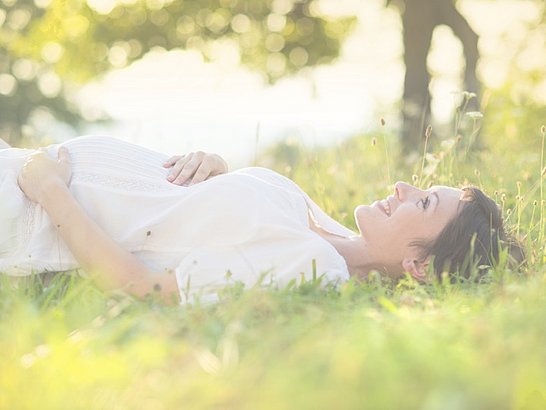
x: 373, y: 344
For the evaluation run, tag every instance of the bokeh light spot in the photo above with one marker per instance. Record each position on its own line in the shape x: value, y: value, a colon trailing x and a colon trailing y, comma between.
x: 159, y: 17
x: 216, y: 22
x: 276, y: 64
x: 8, y: 84
x: 240, y: 23
x: 117, y: 56
x: 49, y: 84
x: 24, y: 69
x: 102, y: 6
x: 282, y: 6
x: 42, y: 4
x: 276, y: 22
x: 274, y: 42
x: 155, y: 4
x: 52, y: 52
x: 298, y: 56
x: 185, y: 26
x: 18, y: 19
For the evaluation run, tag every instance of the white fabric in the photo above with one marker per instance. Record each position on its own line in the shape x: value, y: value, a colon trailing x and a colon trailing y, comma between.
x: 252, y: 223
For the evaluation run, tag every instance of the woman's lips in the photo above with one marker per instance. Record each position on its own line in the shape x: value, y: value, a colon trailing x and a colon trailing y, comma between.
x: 385, y: 206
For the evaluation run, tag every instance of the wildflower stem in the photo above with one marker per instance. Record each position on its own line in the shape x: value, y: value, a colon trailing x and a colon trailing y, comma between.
x: 519, y: 206
x: 385, y: 143
x: 541, y: 234
x: 428, y: 132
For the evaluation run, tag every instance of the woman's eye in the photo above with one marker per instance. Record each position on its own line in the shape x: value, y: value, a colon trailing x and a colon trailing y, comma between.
x: 425, y: 202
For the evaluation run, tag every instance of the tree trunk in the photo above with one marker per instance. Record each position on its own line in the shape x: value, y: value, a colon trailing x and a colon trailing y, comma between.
x: 419, y: 19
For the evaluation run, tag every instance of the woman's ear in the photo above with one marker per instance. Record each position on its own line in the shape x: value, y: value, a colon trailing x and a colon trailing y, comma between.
x: 416, y: 268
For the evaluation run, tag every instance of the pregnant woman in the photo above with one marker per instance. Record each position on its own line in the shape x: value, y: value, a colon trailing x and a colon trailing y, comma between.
x: 108, y: 207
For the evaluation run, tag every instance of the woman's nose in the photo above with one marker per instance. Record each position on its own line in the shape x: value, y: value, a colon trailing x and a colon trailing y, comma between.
x: 402, y: 190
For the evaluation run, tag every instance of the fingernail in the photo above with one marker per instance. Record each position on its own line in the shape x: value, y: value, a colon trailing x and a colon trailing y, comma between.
x: 170, y: 177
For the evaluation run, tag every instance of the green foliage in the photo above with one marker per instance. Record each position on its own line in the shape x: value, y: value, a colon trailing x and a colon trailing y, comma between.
x: 370, y: 344
x: 367, y: 345
x: 47, y: 46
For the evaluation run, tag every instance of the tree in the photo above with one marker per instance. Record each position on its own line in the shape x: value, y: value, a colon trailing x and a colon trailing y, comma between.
x: 46, y: 46
x: 419, y: 19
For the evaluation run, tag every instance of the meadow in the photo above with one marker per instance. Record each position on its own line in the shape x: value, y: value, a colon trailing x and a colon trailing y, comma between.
x: 374, y: 344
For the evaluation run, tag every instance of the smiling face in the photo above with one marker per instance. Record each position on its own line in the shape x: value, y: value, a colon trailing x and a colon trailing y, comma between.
x: 389, y: 226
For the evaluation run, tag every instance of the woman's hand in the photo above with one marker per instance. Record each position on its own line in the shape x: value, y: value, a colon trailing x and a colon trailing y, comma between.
x: 44, y: 180
x: 40, y: 172
x: 194, y: 167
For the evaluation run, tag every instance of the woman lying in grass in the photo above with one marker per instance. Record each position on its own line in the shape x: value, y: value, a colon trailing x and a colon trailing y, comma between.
x: 116, y: 210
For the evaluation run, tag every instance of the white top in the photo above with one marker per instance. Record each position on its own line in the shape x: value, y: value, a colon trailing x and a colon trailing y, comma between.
x: 250, y: 225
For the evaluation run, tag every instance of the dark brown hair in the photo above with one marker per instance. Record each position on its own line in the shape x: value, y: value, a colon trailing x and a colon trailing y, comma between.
x: 472, y: 241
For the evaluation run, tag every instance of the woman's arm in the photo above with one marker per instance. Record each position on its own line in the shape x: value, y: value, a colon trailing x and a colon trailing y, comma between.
x: 44, y: 180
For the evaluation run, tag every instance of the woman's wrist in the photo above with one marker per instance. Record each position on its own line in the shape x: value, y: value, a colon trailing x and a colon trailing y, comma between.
x: 42, y: 175
x: 53, y: 191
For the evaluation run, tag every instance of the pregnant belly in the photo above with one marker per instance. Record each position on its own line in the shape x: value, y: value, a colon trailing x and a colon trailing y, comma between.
x: 118, y: 164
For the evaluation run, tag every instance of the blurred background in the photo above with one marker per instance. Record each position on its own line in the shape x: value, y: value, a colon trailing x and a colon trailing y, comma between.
x: 239, y: 76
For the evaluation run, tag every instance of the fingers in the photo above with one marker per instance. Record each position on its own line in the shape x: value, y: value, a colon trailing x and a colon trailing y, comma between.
x: 172, y: 160
x: 202, y: 173
x: 180, y: 165
x: 40, y: 170
x: 42, y: 152
x: 186, y: 168
x: 194, y: 167
x: 63, y: 155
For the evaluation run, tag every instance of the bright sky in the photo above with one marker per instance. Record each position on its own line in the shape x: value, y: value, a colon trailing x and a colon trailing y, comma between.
x: 175, y: 102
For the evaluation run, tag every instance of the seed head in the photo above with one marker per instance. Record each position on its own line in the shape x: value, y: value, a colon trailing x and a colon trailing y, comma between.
x: 543, y: 130
x: 374, y: 142
x: 383, y: 122
x: 535, y: 202
x: 477, y: 172
x: 414, y: 178
x: 543, y: 172
x: 428, y: 131
x: 475, y: 115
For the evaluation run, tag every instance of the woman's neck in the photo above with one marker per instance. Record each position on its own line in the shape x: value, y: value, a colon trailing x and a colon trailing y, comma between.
x: 352, y: 248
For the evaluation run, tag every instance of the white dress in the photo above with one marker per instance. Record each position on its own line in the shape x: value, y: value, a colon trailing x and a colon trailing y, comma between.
x: 248, y: 226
